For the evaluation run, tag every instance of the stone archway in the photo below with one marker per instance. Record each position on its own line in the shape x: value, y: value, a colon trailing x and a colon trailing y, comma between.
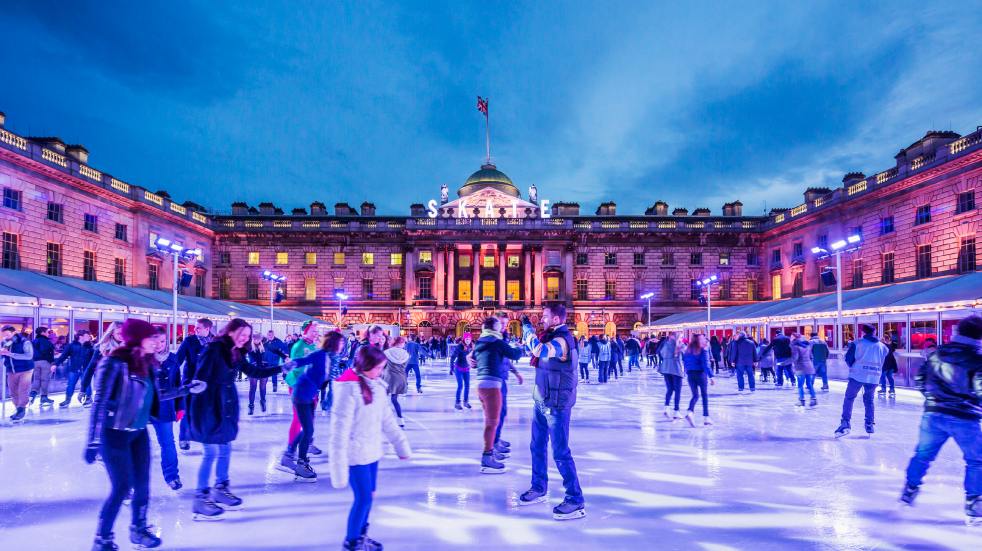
x: 582, y: 329
x: 610, y: 329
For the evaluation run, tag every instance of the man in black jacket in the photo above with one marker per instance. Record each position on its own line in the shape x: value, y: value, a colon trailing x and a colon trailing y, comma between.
x: 781, y: 345
x: 951, y: 381
x: 187, y: 356
x: 44, y: 359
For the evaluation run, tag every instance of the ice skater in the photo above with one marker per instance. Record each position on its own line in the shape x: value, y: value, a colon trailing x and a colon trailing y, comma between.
x: 490, y: 353
x: 460, y: 368
x: 167, y: 378
x: 394, y: 375
x: 583, y: 350
x: 699, y: 372
x: 865, y: 360
x: 804, y: 368
x: 360, y: 418
x: 502, y: 447
x: 670, y: 367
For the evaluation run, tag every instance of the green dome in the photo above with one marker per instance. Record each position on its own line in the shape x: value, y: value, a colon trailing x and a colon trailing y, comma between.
x: 488, y: 176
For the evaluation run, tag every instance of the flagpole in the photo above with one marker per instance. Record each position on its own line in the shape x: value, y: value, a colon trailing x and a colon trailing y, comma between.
x: 487, y: 130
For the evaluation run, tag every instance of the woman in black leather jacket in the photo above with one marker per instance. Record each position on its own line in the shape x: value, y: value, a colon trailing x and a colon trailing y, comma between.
x: 125, y: 397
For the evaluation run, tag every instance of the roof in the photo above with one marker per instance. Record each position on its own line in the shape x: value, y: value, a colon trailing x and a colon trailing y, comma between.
x: 488, y: 176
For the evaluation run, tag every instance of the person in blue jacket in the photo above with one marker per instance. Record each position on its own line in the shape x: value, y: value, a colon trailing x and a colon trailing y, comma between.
x: 699, y: 371
x: 167, y: 376
x: 79, y: 354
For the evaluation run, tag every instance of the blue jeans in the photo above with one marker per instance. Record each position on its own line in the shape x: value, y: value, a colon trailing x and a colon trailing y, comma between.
x: 552, y: 424
x: 362, y: 479
x: 168, y: 451
x: 585, y: 371
x: 463, y: 383
x: 632, y: 361
x: 781, y: 371
x: 126, y: 455
x: 218, y: 455
x: 698, y: 383
x: 822, y: 370
x: 936, y: 428
x: 184, y: 429
x: 414, y: 368
x: 504, y: 410
x: 852, y: 390
x: 884, y: 377
x: 305, y: 414
x: 673, y: 386
x: 602, y: 372
x: 749, y: 371
x: 73, y: 378
x: 806, y: 380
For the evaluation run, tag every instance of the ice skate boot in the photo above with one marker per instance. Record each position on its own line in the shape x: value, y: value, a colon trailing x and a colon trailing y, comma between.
x: 676, y: 415
x: 973, y: 511
x: 893, y: 394
x: 504, y: 443
x: 668, y: 411
x: 104, y: 543
x: 690, y: 420
x: 531, y: 497
x: 909, y: 495
x: 568, y: 511
x: 402, y: 422
x: 881, y: 393
x: 303, y: 472
x: 354, y: 545
x: 457, y: 406
x: 501, y: 453
x: 204, y: 508
x: 252, y: 408
x: 140, y: 535
x: 34, y: 396
x: 499, y: 456
x: 813, y: 402
x: 467, y: 405
x: 314, y: 450
x: 369, y: 543
x: 490, y: 465
x: 706, y: 421
x: 288, y: 462
x: 842, y: 430
x: 184, y: 445
x: 64, y: 404
x: 18, y: 415
x: 801, y: 403
x: 45, y: 401
x: 262, y: 406
x: 869, y: 427
x: 226, y: 499
x: 175, y: 484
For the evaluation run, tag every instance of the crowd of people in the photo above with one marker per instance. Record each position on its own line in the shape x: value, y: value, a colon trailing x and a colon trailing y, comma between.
x: 132, y: 380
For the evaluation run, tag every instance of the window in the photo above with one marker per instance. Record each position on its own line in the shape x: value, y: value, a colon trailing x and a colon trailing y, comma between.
x: 464, y: 261
x: 725, y: 288
x: 552, y: 288
x: 224, y: 257
x: 121, y: 232
x: 91, y: 223
x: 776, y: 286
x: 798, y: 285
x: 667, y: 291
x: 966, y: 255
x: 252, y: 289
x: 88, y: 265
x: 513, y: 261
x: 667, y: 259
x: 225, y: 287
x: 724, y: 259
x: 966, y: 202
x: 53, y: 259
x: 753, y: 259
x: 488, y: 261
x: 367, y: 259
x: 776, y: 257
x: 425, y: 257
x: 153, y: 276
x: 253, y: 258
x: 119, y: 271
x: 56, y: 212
x: 582, y: 287
x: 310, y: 288
x: 426, y: 288
x: 823, y: 241
x: 464, y: 290
x: 310, y: 259
x: 857, y: 273
x: 695, y: 291
x: 199, y: 284
x: 886, y: 225
x: 368, y: 288
x: 798, y: 250
x: 11, y: 251
x: 395, y: 291
x: 553, y: 258
x: 923, y: 215
x: 639, y: 259
x: 886, y: 268
x: 610, y: 290
x: 610, y: 259
x: 282, y: 258
x: 395, y: 259
x: 857, y: 230
x: 11, y: 198
x: 924, y: 261
x: 512, y: 290
x: 339, y: 285
x: 487, y: 289
x: 582, y: 259
x: 339, y: 259
x: 751, y: 289
x: 695, y: 259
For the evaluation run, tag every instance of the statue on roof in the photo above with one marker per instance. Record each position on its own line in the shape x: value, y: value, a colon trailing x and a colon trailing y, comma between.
x: 533, y: 194
x: 444, y: 194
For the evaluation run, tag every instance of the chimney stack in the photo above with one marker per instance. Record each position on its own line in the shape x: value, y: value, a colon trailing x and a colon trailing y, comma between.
x: 368, y: 209
x: 318, y: 209
x: 78, y: 152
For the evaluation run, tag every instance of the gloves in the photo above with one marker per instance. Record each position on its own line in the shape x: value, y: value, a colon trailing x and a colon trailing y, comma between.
x: 91, y: 451
x: 196, y: 386
x: 180, y: 414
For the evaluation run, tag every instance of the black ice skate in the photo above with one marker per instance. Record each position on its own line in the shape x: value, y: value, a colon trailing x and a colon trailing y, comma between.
x: 303, y: 472
x: 224, y: 498
x: 288, y: 462
x: 568, y: 511
x: 869, y: 427
x: 973, y: 511
x: 909, y: 495
x: 812, y: 403
x: 490, y: 465
x: 842, y: 430
x: 142, y: 538
x: 204, y: 507
x: 531, y: 497
x: 104, y: 543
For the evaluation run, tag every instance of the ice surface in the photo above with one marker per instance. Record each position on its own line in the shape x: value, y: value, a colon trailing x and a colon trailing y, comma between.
x: 767, y: 475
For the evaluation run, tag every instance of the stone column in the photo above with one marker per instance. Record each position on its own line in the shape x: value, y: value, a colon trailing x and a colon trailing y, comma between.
x: 527, y: 266
x: 439, y: 275
x: 476, y: 271
x: 502, y: 261
x: 539, y: 280
x: 568, y: 275
x: 408, y: 260
x: 451, y: 277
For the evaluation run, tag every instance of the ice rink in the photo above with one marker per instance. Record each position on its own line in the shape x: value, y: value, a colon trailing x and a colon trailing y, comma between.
x: 767, y: 475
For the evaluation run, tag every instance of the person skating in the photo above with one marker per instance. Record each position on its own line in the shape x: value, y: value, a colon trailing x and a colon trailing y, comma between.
x: 502, y: 447
x: 167, y: 377
x: 301, y: 348
x: 632, y: 349
x: 554, y: 396
x: 187, y: 358
x: 276, y: 352
x: 889, y: 368
x: 765, y: 361
x: 583, y: 351
x: 670, y: 367
x: 79, y: 354
x: 215, y: 415
x: 820, y: 357
x: 490, y: 351
x: 18, y: 353
x: 617, y: 353
x: 603, y: 357
x: 461, y: 369
x: 417, y: 356
x: 360, y: 418
x: 716, y: 349
x: 111, y: 338
x: 951, y: 381
x: 699, y: 372
x: 743, y: 355
x: 781, y: 346
x: 804, y: 368
x: 394, y: 374
x: 44, y: 359
x: 125, y: 398
x: 865, y: 360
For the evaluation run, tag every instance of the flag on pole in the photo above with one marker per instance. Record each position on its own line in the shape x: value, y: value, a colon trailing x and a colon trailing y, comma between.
x: 482, y: 105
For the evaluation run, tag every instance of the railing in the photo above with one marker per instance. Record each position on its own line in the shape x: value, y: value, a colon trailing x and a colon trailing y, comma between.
x: 90, y: 173
x: 858, y: 187
x: 958, y: 146
x: 119, y: 185
x: 779, y: 218
x: 153, y: 198
x: 886, y: 175
x: 56, y: 158
x: 10, y: 138
x: 198, y: 217
x: 919, y: 162
x: 800, y: 209
x: 179, y: 209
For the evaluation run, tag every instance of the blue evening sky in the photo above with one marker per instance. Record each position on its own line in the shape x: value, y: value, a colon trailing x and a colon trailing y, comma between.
x: 690, y: 102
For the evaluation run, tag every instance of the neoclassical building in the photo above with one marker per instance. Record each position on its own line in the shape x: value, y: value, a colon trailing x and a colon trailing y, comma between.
x: 453, y: 259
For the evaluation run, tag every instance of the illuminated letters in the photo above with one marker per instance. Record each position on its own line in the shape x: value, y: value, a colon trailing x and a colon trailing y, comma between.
x: 431, y: 208
x: 544, y: 209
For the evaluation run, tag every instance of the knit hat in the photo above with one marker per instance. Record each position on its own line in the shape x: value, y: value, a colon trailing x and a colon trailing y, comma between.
x: 397, y: 355
x: 135, y: 330
x: 305, y: 325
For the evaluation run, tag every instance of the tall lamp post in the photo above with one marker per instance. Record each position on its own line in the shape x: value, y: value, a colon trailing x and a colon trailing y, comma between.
x: 273, y: 279
x: 647, y: 296
x: 179, y: 253
x: 707, y: 284
x: 341, y: 298
x: 846, y: 245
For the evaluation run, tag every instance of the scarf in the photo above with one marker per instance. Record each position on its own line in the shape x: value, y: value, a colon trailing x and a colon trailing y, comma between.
x: 490, y: 333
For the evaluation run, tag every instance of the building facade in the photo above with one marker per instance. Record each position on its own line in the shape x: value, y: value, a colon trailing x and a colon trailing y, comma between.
x: 453, y: 260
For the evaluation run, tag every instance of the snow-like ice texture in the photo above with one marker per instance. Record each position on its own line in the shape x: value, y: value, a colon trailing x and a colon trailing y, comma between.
x: 767, y: 475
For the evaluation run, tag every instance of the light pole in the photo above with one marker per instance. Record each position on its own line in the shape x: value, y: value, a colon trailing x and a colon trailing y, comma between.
x: 177, y: 251
x: 647, y: 296
x: 848, y: 244
x: 273, y: 279
x: 341, y: 298
x: 707, y: 283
